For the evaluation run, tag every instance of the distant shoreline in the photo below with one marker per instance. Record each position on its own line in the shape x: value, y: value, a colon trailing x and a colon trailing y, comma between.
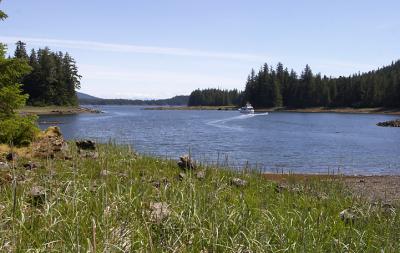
x: 378, y: 110
x: 56, y: 110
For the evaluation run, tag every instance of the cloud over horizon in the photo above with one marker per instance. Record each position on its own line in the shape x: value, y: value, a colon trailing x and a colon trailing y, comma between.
x: 130, y: 48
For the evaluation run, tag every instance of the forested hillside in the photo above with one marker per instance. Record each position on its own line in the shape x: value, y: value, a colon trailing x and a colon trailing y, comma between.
x: 280, y: 87
x: 277, y: 87
x: 54, y: 77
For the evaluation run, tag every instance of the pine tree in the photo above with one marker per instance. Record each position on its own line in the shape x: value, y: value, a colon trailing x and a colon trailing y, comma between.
x: 20, y: 51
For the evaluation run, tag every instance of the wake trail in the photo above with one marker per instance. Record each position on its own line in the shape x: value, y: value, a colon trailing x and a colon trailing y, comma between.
x: 221, y: 122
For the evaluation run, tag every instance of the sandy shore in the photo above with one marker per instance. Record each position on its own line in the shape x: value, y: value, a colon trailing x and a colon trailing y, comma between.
x: 373, y: 188
x: 56, y: 110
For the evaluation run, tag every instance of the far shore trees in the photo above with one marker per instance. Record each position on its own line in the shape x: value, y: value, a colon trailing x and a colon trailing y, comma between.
x: 279, y: 87
x: 214, y: 97
x: 54, y: 78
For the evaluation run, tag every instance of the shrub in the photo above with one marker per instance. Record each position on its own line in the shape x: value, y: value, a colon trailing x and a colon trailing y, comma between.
x: 18, y: 130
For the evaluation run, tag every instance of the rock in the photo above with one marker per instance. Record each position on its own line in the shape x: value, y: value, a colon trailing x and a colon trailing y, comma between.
x: 11, y: 157
x: 68, y: 157
x: 38, y: 195
x: 200, y: 175
x: 53, y: 131
x: 280, y: 188
x: 86, y: 145
x: 50, y: 144
x: 120, y: 236
x: 88, y: 154
x: 7, y: 177
x: 159, y: 211
x: 391, y: 123
x: 348, y: 216
x: 388, y: 209
x: 104, y: 173
x: 186, y: 163
x: 296, y: 190
x: 4, y: 166
x: 156, y: 184
x: 181, y: 176
x: 238, y: 182
x: 30, y: 165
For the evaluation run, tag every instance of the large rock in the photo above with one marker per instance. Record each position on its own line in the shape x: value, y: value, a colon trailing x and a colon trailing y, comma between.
x: 185, y: 162
x: 159, y: 211
x: 86, y: 145
x: 50, y: 144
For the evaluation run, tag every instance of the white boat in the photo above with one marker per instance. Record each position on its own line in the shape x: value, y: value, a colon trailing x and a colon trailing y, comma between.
x: 248, y: 109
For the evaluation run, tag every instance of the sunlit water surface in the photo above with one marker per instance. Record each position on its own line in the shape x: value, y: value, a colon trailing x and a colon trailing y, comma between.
x: 292, y: 142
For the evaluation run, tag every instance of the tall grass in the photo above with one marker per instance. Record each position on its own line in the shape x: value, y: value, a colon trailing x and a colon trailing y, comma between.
x: 88, y: 210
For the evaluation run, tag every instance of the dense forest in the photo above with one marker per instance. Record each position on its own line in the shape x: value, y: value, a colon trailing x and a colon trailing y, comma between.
x: 177, y: 100
x: 214, y: 97
x: 54, y: 77
x: 280, y: 87
x: 277, y: 87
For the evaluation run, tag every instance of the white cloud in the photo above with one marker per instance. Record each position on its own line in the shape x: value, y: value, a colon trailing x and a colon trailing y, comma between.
x: 129, y: 48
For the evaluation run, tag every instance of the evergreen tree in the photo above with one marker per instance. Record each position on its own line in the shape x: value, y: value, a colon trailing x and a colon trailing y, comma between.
x: 20, y: 51
x: 278, y: 87
x: 54, y: 78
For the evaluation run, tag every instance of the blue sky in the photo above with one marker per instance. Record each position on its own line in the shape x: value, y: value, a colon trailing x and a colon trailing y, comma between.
x: 157, y: 49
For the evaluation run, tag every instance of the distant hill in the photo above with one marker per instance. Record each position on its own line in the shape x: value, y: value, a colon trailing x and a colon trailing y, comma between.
x: 85, y: 99
x: 85, y: 96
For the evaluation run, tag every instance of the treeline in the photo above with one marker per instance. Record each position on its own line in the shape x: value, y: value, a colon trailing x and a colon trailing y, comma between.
x: 177, y: 100
x: 54, y: 77
x: 214, y: 97
x: 280, y: 87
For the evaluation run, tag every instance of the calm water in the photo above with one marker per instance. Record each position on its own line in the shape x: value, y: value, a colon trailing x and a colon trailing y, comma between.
x: 297, y: 142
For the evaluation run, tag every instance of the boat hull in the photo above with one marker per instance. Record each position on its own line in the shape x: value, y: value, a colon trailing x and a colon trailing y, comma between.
x: 247, y: 111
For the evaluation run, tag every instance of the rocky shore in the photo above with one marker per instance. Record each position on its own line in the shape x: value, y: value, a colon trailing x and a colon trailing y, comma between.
x: 391, y: 123
x: 57, y: 110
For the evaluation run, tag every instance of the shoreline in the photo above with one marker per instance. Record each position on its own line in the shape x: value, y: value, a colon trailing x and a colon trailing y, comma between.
x: 371, y: 187
x: 377, y: 110
x: 56, y: 110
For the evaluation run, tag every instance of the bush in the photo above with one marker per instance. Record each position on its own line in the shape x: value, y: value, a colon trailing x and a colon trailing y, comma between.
x: 18, y: 130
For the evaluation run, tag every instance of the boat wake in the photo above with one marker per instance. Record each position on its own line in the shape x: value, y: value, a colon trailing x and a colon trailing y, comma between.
x: 221, y: 122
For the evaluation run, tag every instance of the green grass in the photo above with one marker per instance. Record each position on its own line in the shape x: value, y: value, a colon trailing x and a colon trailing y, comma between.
x: 85, y: 211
